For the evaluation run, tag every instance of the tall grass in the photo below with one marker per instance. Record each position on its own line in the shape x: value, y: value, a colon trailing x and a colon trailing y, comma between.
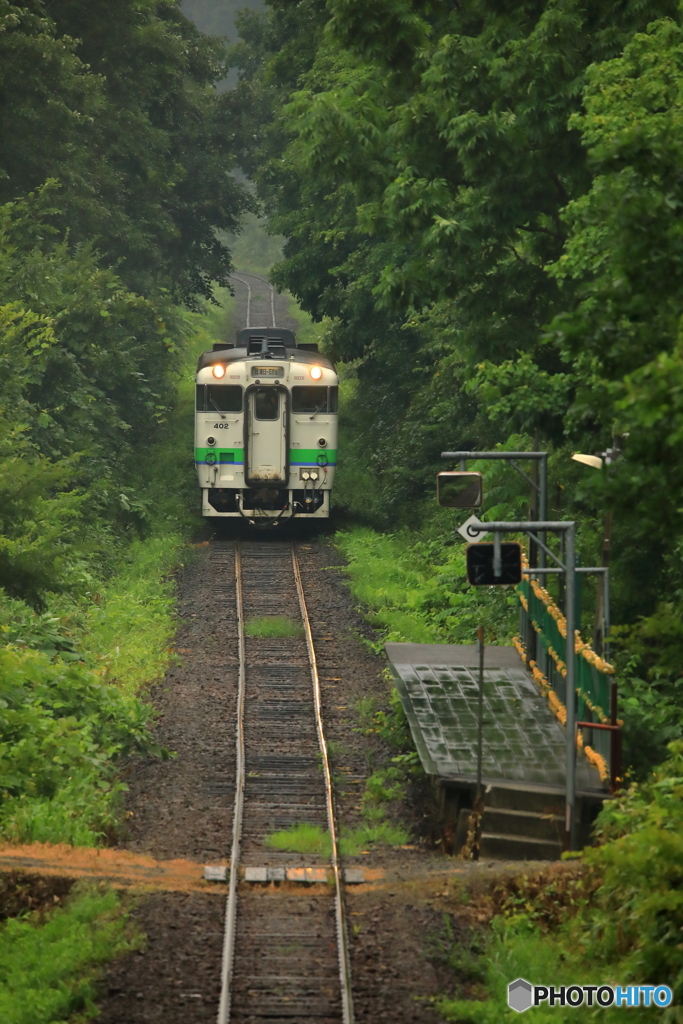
x: 128, y: 631
x: 416, y: 590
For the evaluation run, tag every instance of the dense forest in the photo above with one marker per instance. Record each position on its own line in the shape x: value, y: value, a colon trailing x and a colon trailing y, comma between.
x: 115, y: 192
x: 482, y: 206
x: 114, y: 180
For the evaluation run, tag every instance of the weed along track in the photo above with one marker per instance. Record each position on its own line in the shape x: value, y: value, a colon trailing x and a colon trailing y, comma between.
x: 285, y: 956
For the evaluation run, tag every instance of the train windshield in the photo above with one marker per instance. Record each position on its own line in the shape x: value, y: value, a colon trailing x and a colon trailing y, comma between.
x: 219, y: 398
x: 312, y: 400
x: 267, y: 404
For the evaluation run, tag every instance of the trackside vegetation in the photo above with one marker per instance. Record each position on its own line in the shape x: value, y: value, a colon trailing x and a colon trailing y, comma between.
x: 617, y: 922
x: 49, y: 967
x: 116, y: 198
x: 107, y: 240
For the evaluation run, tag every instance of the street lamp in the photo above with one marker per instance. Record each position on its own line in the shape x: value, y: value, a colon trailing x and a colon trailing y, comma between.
x: 588, y: 460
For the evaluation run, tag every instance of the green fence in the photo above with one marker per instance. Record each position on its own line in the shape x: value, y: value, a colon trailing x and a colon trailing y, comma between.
x: 544, y: 647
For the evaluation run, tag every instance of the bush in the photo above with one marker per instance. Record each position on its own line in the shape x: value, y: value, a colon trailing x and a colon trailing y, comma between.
x: 621, y: 923
x: 47, y: 973
x: 62, y: 729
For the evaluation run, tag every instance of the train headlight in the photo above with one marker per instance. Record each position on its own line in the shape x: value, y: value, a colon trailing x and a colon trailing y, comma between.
x: 218, y: 371
x: 315, y: 372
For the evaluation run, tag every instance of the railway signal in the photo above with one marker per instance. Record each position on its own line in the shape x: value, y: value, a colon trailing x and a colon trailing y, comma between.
x: 487, y: 567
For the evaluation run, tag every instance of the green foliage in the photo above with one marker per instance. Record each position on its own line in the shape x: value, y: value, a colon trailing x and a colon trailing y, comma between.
x: 375, y: 833
x: 49, y: 968
x: 273, y: 626
x: 462, y: 958
x: 641, y: 906
x: 618, y: 923
x: 122, y: 100
x: 623, y: 255
x: 84, y: 811
x: 62, y: 730
x: 391, y: 725
x: 127, y: 631
x: 417, y: 591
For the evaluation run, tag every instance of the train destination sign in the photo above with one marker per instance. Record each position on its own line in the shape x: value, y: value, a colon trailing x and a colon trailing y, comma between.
x: 267, y: 371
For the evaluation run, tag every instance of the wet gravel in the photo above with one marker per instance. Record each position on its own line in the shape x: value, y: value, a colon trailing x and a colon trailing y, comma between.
x: 182, y: 808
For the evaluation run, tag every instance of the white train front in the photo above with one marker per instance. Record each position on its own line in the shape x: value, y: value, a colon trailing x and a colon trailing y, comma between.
x: 266, y: 428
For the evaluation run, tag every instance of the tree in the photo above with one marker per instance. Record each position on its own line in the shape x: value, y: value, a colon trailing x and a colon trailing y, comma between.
x: 122, y: 99
x: 624, y: 255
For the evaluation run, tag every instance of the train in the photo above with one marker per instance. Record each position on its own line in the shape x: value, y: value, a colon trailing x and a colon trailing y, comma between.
x: 266, y: 415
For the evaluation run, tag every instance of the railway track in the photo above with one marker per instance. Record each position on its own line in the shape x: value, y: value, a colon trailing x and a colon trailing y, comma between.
x: 285, y: 957
x: 260, y: 300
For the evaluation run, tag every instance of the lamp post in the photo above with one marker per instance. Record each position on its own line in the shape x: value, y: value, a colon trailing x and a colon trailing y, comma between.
x: 601, y: 624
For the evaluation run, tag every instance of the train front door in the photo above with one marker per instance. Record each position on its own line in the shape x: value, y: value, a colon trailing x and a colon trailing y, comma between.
x: 266, y: 462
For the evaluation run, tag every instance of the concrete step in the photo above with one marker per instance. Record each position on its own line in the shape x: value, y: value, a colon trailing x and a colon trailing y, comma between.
x: 505, y: 847
x: 530, y: 798
x: 509, y: 822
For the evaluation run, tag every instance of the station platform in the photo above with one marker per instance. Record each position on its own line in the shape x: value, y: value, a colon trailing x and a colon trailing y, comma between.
x: 523, y: 748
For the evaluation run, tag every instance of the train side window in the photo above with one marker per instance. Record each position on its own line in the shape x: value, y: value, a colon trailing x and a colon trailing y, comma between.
x: 223, y: 398
x: 309, y: 399
x: 267, y: 404
x: 200, y: 397
x: 333, y: 403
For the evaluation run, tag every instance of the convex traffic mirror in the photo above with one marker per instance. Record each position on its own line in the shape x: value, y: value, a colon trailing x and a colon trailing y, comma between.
x: 459, y: 490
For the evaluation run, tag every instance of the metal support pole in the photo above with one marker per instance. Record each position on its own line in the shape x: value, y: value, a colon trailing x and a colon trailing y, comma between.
x: 543, y: 503
x: 605, y: 614
x: 570, y: 698
x: 480, y: 714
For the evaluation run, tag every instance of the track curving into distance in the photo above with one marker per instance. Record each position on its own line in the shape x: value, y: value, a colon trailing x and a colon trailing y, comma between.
x: 259, y: 301
x: 285, y: 955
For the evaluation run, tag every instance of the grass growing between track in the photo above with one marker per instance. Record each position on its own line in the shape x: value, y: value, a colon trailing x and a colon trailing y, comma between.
x: 273, y: 626
x: 309, y: 839
x: 49, y: 964
x: 381, y: 788
x: 312, y: 840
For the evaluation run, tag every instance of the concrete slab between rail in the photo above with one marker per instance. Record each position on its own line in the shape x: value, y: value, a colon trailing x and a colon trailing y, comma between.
x: 308, y: 875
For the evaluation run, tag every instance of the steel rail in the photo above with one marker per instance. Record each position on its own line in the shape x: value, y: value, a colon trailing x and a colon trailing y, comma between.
x: 248, y: 287
x: 227, y: 963
x: 263, y: 280
x: 342, y: 943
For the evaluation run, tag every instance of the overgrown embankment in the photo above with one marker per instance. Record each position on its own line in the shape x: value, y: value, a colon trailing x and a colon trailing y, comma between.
x: 114, y: 187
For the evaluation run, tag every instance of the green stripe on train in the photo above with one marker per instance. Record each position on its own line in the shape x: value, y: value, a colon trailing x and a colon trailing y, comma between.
x: 224, y: 456
x: 297, y: 456
x: 310, y: 456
